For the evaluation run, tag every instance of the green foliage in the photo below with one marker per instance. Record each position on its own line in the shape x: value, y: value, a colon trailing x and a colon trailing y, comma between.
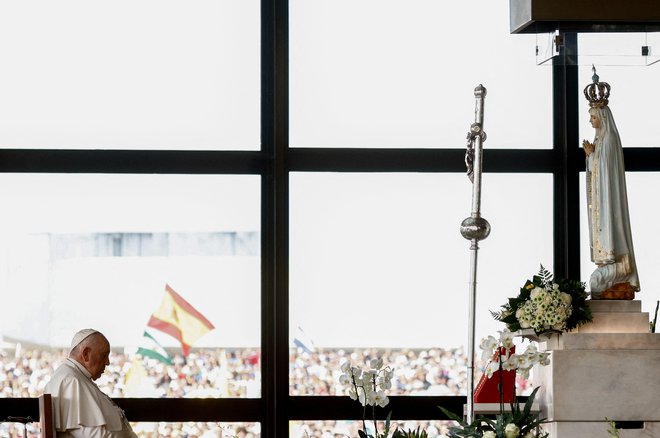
x: 580, y: 315
x: 545, y: 276
x: 362, y: 433
x: 523, y: 418
x: 611, y: 429
x: 417, y: 433
x: 652, y: 324
x: 464, y: 429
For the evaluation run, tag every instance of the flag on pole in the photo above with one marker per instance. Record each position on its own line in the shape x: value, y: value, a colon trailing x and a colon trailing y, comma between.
x: 179, y: 319
x: 135, y: 380
x: 152, y: 348
x: 302, y: 341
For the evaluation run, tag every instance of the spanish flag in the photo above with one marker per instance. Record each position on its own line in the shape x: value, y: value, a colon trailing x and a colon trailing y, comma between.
x: 179, y: 319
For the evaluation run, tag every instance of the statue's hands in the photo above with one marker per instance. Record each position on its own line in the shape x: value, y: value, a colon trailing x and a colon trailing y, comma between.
x: 588, y: 147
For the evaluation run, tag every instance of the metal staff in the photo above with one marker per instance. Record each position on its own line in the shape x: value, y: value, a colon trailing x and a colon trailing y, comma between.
x: 474, y: 228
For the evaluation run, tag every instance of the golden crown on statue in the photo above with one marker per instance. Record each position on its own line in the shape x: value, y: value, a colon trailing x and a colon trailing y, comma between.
x: 597, y: 93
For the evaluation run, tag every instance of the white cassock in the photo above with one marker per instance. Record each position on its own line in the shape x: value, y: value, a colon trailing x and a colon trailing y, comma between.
x: 81, y: 409
x: 607, y: 199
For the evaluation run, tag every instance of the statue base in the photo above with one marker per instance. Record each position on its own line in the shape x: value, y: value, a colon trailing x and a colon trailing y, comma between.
x: 605, y: 369
x: 620, y: 291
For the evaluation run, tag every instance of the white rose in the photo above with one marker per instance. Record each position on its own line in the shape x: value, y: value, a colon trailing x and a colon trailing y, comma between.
x: 534, y: 294
x: 566, y: 298
x: 511, y: 431
x: 489, y: 434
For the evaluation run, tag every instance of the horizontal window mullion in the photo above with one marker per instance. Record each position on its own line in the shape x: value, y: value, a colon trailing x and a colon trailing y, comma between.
x: 125, y: 161
x: 416, y: 160
x: 194, y: 409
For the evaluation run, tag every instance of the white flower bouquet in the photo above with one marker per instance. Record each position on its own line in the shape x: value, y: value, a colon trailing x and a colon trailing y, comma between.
x: 546, y: 304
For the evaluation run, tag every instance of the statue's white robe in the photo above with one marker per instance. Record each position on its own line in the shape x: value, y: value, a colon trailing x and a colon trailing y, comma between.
x: 607, y: 201
x: 81, y: 409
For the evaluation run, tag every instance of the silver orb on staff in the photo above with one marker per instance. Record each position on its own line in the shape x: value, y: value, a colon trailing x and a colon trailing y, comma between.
x: 474, y: 228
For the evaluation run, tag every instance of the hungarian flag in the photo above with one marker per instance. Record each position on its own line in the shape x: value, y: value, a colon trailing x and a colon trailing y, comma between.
x: 179, y: 319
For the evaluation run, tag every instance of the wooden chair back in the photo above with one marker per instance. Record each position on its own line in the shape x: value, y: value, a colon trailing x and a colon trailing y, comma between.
x: 46, y: 419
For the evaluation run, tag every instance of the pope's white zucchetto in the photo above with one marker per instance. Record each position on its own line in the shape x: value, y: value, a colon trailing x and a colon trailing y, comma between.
x: 81, y: 336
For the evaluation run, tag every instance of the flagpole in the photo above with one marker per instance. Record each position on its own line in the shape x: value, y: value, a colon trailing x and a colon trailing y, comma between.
x: 474, y: 229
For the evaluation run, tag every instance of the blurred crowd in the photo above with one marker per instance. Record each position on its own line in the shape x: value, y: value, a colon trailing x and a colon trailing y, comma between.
x: 237, y: 373
x: 416, y: 372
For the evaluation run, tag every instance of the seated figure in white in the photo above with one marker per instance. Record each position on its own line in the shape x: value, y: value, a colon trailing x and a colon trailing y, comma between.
x: 80, y: 408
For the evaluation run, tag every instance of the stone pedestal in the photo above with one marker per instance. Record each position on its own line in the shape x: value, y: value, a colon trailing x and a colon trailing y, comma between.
x: 607, y: 369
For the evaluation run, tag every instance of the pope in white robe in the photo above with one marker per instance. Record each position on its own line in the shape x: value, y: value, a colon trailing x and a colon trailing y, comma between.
x: 80, y: 408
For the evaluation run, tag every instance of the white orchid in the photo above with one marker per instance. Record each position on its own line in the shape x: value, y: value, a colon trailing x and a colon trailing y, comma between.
x: 376, y: 364
x: 491, y: 368
x: 508, y: 360
x: 520, y: 360
x: 531, y: 350
x: 362, y: 398
x: 506, y: 339
x: 524, y: 372
x: 488, y: 345
x: 509, y: 364
x: 544, y: 359
x: 368, y: 386
x: 380, y: 399
x: 384, y: 383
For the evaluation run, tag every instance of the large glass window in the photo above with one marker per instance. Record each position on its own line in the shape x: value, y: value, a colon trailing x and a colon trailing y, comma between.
x: 391, y: 74
x: 130, y: 75
x: 618, y: 61
x: 377, y: 265
x: 100, y: 251
x: 376, y: 268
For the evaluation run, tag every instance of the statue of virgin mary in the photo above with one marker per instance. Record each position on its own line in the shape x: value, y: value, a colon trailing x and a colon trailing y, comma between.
x: 610, y: 237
